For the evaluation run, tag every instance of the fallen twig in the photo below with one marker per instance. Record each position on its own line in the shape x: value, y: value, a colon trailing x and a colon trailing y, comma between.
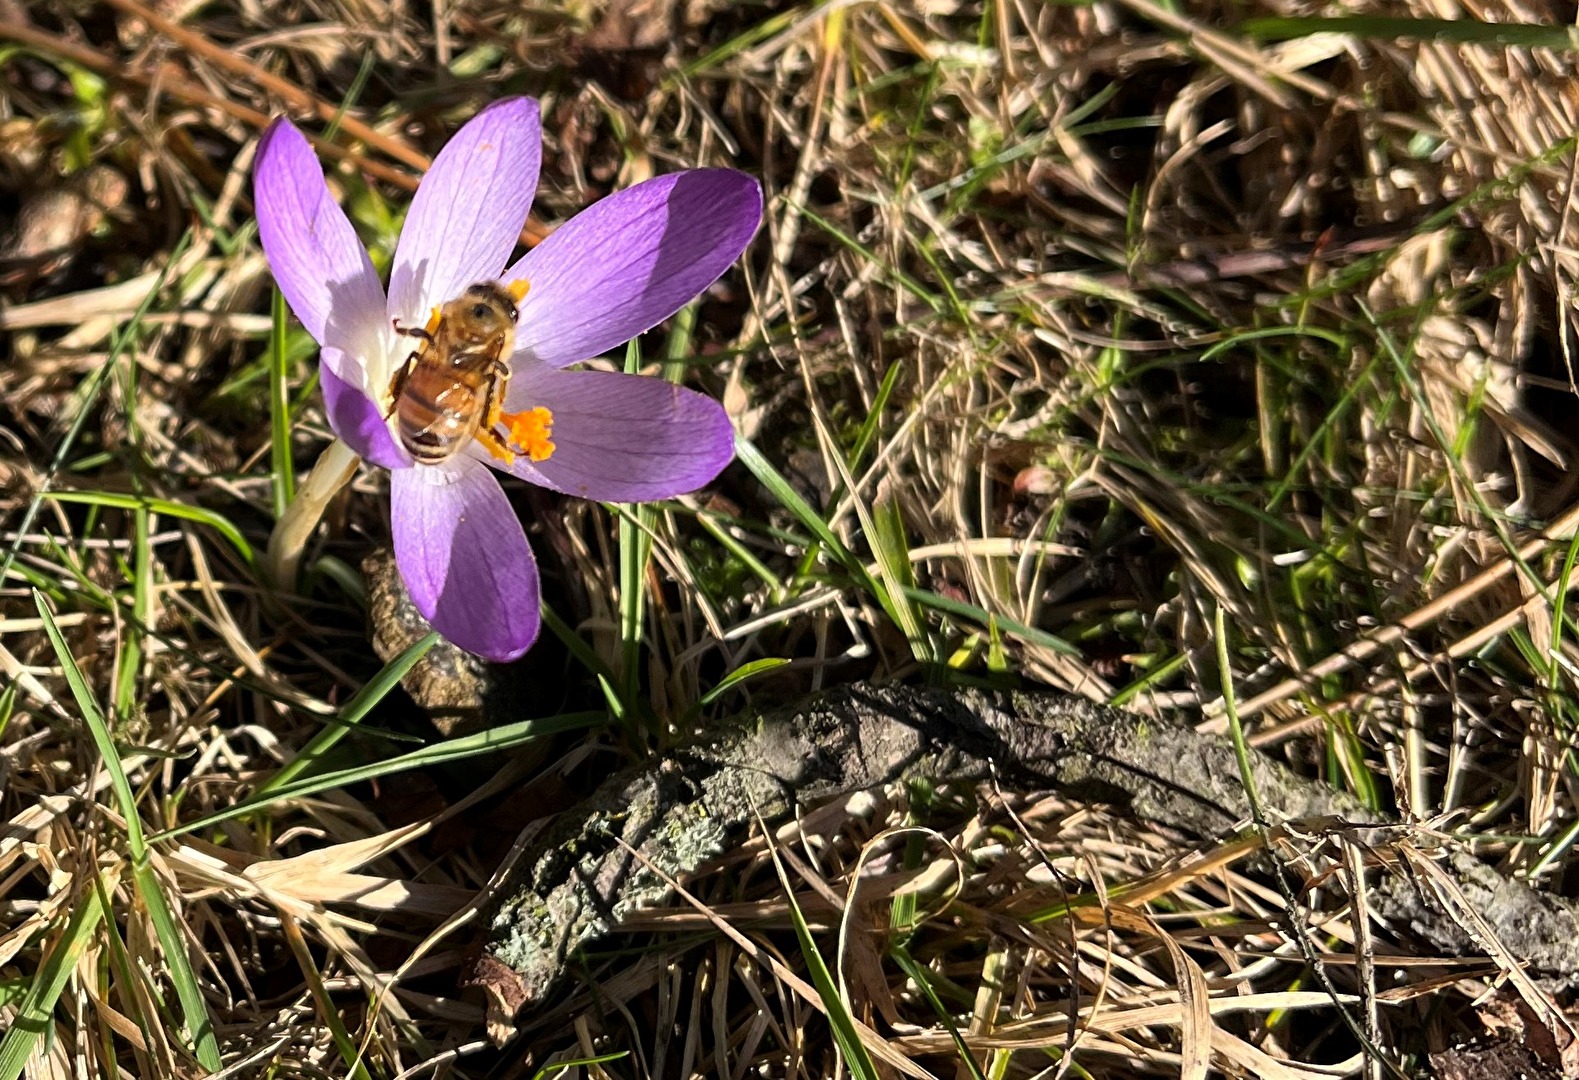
x: 579, y: 879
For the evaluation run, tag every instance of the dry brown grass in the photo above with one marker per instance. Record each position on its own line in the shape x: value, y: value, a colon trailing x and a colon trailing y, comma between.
x: 1155, y: 321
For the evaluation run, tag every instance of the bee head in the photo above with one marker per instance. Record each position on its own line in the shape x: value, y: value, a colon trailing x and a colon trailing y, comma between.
x: 485, y: 310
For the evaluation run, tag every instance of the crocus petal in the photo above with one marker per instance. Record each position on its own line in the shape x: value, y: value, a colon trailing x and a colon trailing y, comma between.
x: 355, y: 417
x: 464, y: 557
x: 626, y: 263
x: 319, y: 264
x: 469, y: 209
x: 622, y: 438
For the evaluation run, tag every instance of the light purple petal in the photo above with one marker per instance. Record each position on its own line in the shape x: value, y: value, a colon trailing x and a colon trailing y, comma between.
x: 319, y: 264
x: 622, y: 438
x: 628, y: 262
x: 464, y: 557
x: 355, y: 417
x: 469, y: 209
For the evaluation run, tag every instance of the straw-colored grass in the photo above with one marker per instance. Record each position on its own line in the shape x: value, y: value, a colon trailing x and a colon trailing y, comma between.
x: 1073, y: 333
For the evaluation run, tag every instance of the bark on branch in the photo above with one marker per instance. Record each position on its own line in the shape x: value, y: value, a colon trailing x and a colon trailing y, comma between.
x: 576, y: 881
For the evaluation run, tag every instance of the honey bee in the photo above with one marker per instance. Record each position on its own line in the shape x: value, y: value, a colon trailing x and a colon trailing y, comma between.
x: 451, y: 389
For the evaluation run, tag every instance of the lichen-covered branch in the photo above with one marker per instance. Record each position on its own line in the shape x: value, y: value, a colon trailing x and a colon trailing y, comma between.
x: 578, y: 881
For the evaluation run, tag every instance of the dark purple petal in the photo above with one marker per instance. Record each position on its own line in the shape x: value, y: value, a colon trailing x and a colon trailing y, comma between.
x: 628, y: 262
x: 464, y: 557
x: 469, y: 209
x: 622, y: 438
x: 356, y: 417
x: 319, y: 264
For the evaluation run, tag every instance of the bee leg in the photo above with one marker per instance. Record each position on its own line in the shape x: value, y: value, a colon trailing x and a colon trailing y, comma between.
x: 495, y: 445
x: 412, y: 331
x: 498, y: 386
x: 425, y: 333
x: 490, y: 419
x: 397, y: 383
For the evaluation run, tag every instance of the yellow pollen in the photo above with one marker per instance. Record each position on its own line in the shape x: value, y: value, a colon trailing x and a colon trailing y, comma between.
x: 529, y: 432
x: 518, y: 289
x: 433, y: 321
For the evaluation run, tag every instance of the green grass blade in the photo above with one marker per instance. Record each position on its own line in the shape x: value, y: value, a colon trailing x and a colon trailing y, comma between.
x: 492, y: 741
x: 172, y: 941
x: 548, y: 1072
x: 327, y: 1012
x: 576, y: 645
x: 33, y: 1018
x: 284, y: 469
x: 923, y: 979
x: 760, y: 32
x: 893, y: 557
x: 713, y: 523
x: 1559, y: 614
x: 94, y: 718
x: 893, y: 273
x: 121, y: 963
x: 194, y: 1008
x: 1559, y: 847
x: 90, y: 395
x: 678, y: 347
x: 8, y: 694
x: 1236, y: 731
x: 358, y: 84
x: 868, y: 432
x: 635, y: 549
x: 132, y: 635
x: 161, y: 506
x: 963, y: 610
x: 791, y: 500
x: 885, y: 528
x: 840, y: 1020
x: 740, y: 675
x: 350, y: 715
x: 1449, y: 31
x: 1154, y: 674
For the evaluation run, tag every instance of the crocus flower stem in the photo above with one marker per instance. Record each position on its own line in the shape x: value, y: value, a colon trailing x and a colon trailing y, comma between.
x: 335, y: 467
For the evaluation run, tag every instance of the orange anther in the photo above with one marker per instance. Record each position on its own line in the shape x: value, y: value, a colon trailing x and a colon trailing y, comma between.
x: 530, y: 432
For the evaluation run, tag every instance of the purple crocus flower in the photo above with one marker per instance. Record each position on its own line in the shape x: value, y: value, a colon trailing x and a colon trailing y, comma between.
x: 615, y: 270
